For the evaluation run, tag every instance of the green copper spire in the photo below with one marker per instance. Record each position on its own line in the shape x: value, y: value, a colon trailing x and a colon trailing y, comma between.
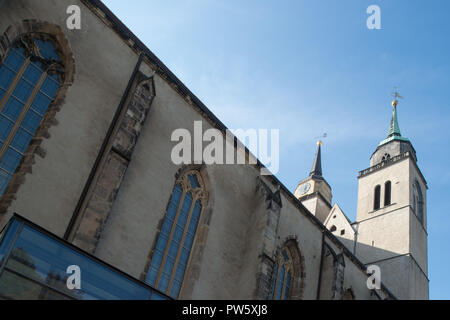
x: 394, y: 129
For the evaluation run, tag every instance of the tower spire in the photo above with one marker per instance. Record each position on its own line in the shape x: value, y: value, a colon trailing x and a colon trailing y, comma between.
x: 394, y: 129
x: 316, y: 170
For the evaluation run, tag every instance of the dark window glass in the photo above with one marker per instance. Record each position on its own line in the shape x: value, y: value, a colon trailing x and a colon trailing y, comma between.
x: 376, y: 198
x: 387, y: 193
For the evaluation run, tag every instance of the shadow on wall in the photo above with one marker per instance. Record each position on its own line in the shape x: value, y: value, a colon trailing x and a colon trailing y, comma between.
x: 397, y: 270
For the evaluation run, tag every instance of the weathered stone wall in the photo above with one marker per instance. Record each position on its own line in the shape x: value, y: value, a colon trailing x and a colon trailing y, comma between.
x: 117, y: 157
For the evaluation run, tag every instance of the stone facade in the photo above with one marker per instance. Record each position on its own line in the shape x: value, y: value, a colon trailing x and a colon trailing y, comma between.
x: 107, y: 175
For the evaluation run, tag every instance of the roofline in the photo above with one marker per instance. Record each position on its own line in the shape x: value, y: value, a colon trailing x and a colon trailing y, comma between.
x: 162, y: 69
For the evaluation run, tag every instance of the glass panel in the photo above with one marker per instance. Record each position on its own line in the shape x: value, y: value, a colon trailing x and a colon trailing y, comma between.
x: 6, y: 77
x: 31, y: 121
x: 46, y: 49
x: 50, y: 87
x: 5, y: 128
x: 15, y: 59
x: 15, y: 287
x: 33, y: 72
x: 10, y: 160
x: 13, y: 108
x: 280, y: 284
x: 156, y: 296
x: 23, y: 90
x: 4, y: 181
x: 152, y: 275
x: 287, y: 286
x: 21, y: 140
x: 175, y: 243
x: 164, y: 235
x: 175, y: 290
x: 7, y: 238
x: 41, y: 103
x: 285, y: 255
x: 193, y: 180
x: 2, y: 93
x: 44, y: 259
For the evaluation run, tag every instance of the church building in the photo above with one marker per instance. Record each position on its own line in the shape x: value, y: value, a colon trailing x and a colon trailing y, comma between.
x: 93, y: 207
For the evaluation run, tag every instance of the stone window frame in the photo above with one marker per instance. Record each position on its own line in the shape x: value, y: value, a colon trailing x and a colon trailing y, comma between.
x: 45, y: 31
x: 298, y: 266
x: 192, y: 272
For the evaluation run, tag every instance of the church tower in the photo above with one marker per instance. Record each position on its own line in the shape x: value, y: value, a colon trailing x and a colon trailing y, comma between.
x: 314, y: 192
x: 391, y: 215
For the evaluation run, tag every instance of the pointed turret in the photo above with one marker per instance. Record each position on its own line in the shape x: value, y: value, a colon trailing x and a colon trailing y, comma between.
x: 316, y: 171
x: 394, y: 129
x: 314, y: 191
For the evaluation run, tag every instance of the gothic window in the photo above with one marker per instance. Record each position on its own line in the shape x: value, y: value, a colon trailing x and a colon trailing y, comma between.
x: 30, y: 76
x: 387, y: 193
x: 282, y: 276
x: 418, y: 201
x: 174, y: 244
x: 386, y: 157
x: 376, y: 198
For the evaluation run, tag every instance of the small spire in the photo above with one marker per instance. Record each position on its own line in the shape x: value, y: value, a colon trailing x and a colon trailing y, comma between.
x: 316, y: 170
x: 394, y: 129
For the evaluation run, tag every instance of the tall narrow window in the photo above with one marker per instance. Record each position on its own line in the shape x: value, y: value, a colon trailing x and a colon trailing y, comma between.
x: 282, y: 276
x: 418, y: 203
x: 29, y: 80
x: 387, y: 193
x: 376, y: 197
x: 173, y: 247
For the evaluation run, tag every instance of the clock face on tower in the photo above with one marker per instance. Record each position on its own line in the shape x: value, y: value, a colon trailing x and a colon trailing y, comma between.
x: 304, y: 188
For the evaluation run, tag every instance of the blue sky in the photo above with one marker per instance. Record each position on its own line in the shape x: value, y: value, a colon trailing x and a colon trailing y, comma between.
x: 309, y: 67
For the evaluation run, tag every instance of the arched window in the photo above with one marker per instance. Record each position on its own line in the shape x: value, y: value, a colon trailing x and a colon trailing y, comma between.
x: 282, y: 276
x: 418, y: 202
x: 173, y: 247
x: 376, y: 197
x: 386, y: 157
x: 30, y: 76
x: 387, y: 193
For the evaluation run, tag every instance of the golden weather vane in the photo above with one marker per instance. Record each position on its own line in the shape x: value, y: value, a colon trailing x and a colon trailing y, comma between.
x: 396, y: 96
x: 319, y: 143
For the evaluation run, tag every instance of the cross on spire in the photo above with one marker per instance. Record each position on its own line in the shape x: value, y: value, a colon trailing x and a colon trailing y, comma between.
x: 396, y: 96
